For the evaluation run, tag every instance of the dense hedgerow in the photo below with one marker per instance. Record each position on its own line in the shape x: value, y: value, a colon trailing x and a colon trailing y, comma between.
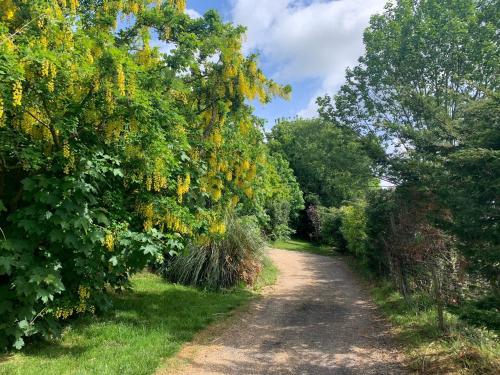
x: 114, y: 154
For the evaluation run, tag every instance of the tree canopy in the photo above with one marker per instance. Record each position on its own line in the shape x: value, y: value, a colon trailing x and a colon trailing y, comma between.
x: 125, y: 131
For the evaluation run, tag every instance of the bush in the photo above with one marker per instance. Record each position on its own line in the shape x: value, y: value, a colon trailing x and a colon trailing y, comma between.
x: 58, y: 265
x: 329, y: 227
x: 221, y: 261
x: 353, y: 227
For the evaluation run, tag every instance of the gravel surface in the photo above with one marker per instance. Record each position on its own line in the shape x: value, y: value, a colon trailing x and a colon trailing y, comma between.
x: 317, y: 319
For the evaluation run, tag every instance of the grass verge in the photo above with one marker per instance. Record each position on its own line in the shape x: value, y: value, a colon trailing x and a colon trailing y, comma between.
x: 463, y: 349
x: 303, y: 246
x: 147, y: 325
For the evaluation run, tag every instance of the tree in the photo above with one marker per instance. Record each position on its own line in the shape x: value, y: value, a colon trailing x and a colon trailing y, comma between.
x: 329, y: 161
x: 426, y: 86
x: 113, y: 153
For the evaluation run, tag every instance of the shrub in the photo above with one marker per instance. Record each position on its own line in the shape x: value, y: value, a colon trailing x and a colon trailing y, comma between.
x: 221, y: 261
x: 58, y: 265
x: 353, y: 227
x: 329, y: 229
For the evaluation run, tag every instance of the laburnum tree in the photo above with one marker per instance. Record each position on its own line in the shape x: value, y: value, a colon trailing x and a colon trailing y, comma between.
x: 124, y: 131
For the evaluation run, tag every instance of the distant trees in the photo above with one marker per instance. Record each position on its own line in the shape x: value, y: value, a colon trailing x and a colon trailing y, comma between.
x: 330, y: 161
x: 422, y: 110
x: 427, y: 87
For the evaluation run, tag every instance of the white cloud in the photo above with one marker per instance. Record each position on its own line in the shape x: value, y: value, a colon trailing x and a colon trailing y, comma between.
x: 192, y: 13
x: 314, y: 39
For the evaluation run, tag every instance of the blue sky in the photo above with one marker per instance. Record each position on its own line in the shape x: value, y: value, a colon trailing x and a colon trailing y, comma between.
x: 305, y: 43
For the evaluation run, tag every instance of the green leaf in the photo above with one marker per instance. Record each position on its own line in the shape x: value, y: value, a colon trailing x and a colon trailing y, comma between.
x: 113, y: 260
x: 19, y: 343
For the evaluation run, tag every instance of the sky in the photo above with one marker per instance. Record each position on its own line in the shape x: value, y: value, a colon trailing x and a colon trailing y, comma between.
x: 305, y: 43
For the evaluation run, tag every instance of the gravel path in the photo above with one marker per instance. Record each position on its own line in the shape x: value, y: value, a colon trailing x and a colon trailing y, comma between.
x: 316, y: 320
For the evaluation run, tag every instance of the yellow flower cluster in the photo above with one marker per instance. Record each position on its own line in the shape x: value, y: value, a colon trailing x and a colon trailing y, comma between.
x: 158, y: 180
x: 70, y: 158
x: 109, y: 97
x: 45, y: 68
x: 73, y: 4
x: 83, y: 293
x: 113, y: 130
x: 234, y: 200
x: 8, y: 10
x: 62, y: 313
x: 175, y: 224
x: 245, y: 127
x: 180, y: 5
x: 183, y: 185
x: 50, y: 86
x: 252, y: 172
x: 32, y: 127
x: 120, y: 79
x: 148, y: 213
x: 245, y: 165
x: 179, y: 96
x: 216, y: 138
x: 1, y: 112
x: 17, y: 93
x: 248, y: 192
x: 109, y: 241
x: 212, y: 185
x: 217, y: 228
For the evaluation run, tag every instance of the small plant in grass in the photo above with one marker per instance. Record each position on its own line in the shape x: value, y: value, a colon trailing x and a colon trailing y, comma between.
x: 222, y: 260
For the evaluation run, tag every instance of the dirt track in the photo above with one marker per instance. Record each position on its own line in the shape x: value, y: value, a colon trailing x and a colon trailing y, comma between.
x: 316, y: 320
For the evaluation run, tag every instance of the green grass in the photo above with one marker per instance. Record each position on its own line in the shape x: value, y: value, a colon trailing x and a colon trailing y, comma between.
x: 268, y: 275
x: 463, y: 349
x: 303, y: 246
x: 147, y: 325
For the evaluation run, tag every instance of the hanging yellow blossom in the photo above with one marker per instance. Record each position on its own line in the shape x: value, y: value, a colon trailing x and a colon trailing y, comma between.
x: 83, y: 292
x: 17, y: 93
x: 217, y: 194
x: 51, y: 86
x: 183, y: 185
x: 248, y: 192
x: 45, y: 68
x: 134, y: 8
x: 53, y: 70
x: 109, y: 241
x: 148, y: 213
x: 217, y: 228
x: 180, y: 5
x: 234, y: 200
x: 149, y: 183
x: 217, y: 138
x: 1, y: 112
x: 73, y: 5
x: 245, y: 165
x: 120, y: 80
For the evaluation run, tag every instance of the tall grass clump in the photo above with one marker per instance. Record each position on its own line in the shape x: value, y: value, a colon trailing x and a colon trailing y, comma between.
x: 221, y: 261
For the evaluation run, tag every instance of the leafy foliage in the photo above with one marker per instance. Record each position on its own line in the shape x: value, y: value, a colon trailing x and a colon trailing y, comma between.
x: 330, y: 161
x: 436, y: 106
x: 114, y: 154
